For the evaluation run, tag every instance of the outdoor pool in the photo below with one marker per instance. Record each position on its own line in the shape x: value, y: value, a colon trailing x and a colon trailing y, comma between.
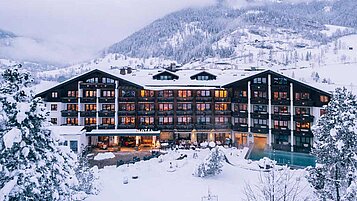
x: 293, y: 159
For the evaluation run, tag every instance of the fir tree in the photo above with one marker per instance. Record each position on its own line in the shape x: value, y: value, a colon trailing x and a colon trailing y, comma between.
x: 30, y: 158
x: 334, y: 177
x: 212, y: 165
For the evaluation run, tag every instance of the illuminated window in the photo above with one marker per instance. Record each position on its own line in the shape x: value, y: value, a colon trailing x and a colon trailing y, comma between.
x: 204, y: 93
x: 147, y: 93
x: 146, y: 106
x: 203, y: 120
x: 108, y: 107
x: 165, y: 120
x: 109, y: 121
x: 54, y: 94
x: 221, y: 120
x: 302, y: 96
x: 128, y: 120
x: 281, y: 110
x: 324, y: 99
x: 259, y: 94
x: 260, y: 122
x: 203, y: 106
x: 90, y: 107
x: 90, y: 121
x: 221, y: 106
x: 184, y: 93
x: 260, y: 108
x: 108, y: 93
x: 165, y: 106
x: 300, y: 126
x: 184, y: 119
x: 240, y: 120
x: 53, y: 107
x: 279, y: 124
x: 72, y: 121
x: 280, y: 95
x: 184, y: 106
x: 72, y: 107
x: 72, y: 94
x: 127, y: 106
x: 146, y: 120
x: 91, y: 93
x: 302, y: 110
x: 220, y: 93
x: 166, y: 93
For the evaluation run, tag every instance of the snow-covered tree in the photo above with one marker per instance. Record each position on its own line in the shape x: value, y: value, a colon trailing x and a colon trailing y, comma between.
x: 32, y: 165
x: 334, y: 177
x: 212, y: 164
x: 277, y: 184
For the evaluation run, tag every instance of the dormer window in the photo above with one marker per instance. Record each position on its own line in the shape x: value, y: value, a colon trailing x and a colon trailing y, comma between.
x: 165, y: 76
x: 92, y: 80
x: 203, y: 76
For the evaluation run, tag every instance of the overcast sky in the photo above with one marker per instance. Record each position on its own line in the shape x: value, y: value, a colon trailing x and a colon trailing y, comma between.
x: 72, y: 30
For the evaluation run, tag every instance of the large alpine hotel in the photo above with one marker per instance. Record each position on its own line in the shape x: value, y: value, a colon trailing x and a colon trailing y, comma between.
x: 146, y: 108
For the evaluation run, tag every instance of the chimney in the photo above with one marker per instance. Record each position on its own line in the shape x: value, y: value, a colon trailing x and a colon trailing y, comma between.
x: 129, y: 70
x: 122, y: 71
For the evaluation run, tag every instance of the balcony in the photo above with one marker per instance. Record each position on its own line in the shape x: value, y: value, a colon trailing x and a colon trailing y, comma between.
x: 259, y: 87
x: 303, y: 118
x: 106, y: 126
x: 261, y: 115
x: 204, y: 112
x: 306, y: 148
x: 242, y: 114
x: 240, y: 127
x: 184, y: 112
x: 165, y: 126
x: 184, y: 99
x: 286, y: 146
x: 281, y: 131
x: 204, y: 98
x: 90, y: 127
x: 69, y: 113
x: 280, y: 102
x: 240, y: 100
x: 69, y: 100
x: 204, y: 126
x: 219, y: 99
x: 127, y: 99
x: 280, y: 88
x: 146, y: 112
x: 146, y: 126
x: 165, y: 113
x: 260, y: 129
x: 106, y: 99
x: 92, y: 113
x: 146, y: 99
x: 126, y: 126
x: 303, y: 132
x: 106, y: 113
x: 223, y: 112
x: 263, y: 101
x: 185, y: 126
x: 97, y: 85
x: 281, y: 117
x: 88, y: 99
x: 304, y: 103
x: 222, y: 126
x: 166, y: 99
x: 126, y: 112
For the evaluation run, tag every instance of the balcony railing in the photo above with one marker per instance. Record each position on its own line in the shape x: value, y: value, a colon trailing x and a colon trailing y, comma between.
x: 69, y: 113
x: 303, y: 118
x: 222, y: 126
x: 96, y: 85
x: 219, y: 99
x: 146, y: 99
x: 303, y: 102
x: 204, y: 126
x: 280, y: 102
x: 242, y: 114
x: 106, y: 99
x: 240, y: 100
x: 127, y: 99
x: 165, y: 126
x: 259, y: 100
x: 184, y: 112
x: 260, y: 129
x: 182, y: 99
x: 259, y: 87
x: 92, y: 113
x: 106, y: 113
x: 240, y: 127
x: 223, y: 112
x: 69, y: 100
x: 257, y: 115
x: 106, y: 126
x: 204, y: 98
x: 125, y: 112
x: 146, y: 126
x: 88, y: 99
x: 280, y: 88
x: 166, y: 99
x: 146, y: 112
x: 281, y: 131
x: 303, y: 132
x: 281, y: 117
x: 165, y: 113
x: 203, y: 112
x: 185, y: 126
x: 126, y: 126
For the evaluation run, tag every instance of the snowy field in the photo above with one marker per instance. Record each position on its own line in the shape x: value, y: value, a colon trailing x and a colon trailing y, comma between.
x: 158, y: 182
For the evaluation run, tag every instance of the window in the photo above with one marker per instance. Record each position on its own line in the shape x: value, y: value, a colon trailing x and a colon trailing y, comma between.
x: 165, y: 77
x: 108, y: 107
x: 280, y: 81
x: 72, y: 93
x: 242, y: 107
x: 259, y: 94
x: 240, y: 120
x: 54, y: 121
x: 184, y: 119
x: 242, y: 93
x: 108, y: 80
x: 203, y: 106
x: 147, y: 93
x: 280, y: 95
x: 127, y: 93
x: 91, y: 93
x: 302, y: 96
x: 281, y: 110
x: 184, y: 93
x: 280, y: 124
x: 323, y: 99
x: 204, y: 93
x: 146, y: 106
x: 203, y: 120
x: 109, y: 121
x: 221, y: 106
x: 53, y: 107
x: 90, y: 121
x: 302, y: 141
x: 108, y: 93
x: 54, y: 94
x: 90, y: 107
x: 322, y: 112
x: 92, y: 80
x: 72, y: 107
x: 73, y: 145
x: 260, y: 122
x: 72, y: 121
x: 202, y: 77
x: 166, y: 93
x: 260, y: 80
x: 184, y: 106
x: 281, y: 139
x: 220, y: 93
x: 127, y: 106
x: 165, y: 120
x: 302, y: 110
x: 165, y: 106
x: 260, y: 108
x: 146, y: 120
x: 221, y: 120
x: 128, y: 120
x: 300, y: 126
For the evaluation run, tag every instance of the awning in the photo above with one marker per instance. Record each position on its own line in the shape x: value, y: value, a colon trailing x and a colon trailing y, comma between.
x: 123, y: 132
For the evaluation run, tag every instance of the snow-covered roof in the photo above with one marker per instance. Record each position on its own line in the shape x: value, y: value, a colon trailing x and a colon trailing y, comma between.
x: 67, y: 130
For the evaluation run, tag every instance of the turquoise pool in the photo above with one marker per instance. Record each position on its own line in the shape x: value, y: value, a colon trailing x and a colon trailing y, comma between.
x: 292, y: 159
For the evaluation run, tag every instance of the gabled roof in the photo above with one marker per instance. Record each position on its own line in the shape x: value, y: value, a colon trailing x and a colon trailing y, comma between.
x: 204, y: 73
x: 79, y: 77
x: 174, y: 76
x: 281, y: 75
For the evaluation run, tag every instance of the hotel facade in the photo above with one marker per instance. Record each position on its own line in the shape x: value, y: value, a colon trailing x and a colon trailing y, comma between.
x: 137, y: 108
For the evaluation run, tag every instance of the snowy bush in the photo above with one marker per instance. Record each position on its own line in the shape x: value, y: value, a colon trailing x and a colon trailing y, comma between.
x: 212, y: 164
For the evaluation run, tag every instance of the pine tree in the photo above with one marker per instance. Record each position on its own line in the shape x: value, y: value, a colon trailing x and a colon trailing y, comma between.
x: 212, y: 165
x: 334, y: 177
x: 30, y: 158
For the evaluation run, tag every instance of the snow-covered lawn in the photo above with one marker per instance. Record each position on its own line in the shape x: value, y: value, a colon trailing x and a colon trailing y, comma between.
x: 157, y: 183
x: 103, y: 156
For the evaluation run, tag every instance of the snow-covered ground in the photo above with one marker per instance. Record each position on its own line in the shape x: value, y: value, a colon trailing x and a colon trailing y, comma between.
x: 157, y: 182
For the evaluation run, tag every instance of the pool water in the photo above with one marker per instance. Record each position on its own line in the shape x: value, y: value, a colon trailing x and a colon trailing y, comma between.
x: 293, y: 159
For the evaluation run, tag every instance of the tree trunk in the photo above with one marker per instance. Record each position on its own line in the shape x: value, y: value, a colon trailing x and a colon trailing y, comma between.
x: 337, y: 184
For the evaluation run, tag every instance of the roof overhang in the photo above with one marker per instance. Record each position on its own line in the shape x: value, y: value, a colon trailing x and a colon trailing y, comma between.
x: 123, y: 132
